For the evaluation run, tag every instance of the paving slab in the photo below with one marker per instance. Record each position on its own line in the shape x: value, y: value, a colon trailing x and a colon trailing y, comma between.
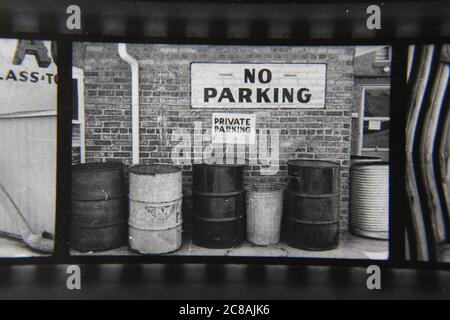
x: 350, y: 247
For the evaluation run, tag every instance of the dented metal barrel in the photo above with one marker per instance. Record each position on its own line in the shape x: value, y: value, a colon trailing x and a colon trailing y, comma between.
x: 99, y: 215
x: 369, y: 199
x: 313, y: 204
x: 219, y: 212
x: 155, y: 208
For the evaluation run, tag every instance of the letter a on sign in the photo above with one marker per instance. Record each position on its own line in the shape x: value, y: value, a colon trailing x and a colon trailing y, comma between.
x: 36, y: 48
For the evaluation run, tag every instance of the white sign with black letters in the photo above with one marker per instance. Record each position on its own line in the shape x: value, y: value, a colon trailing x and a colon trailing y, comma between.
x: 28, y: 76
x: 239, y: 85
x: 233, y: 128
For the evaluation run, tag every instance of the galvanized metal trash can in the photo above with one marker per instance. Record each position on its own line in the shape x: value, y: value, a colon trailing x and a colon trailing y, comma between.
x: 219, y: 212
x: 155, y: 208
x: 99, y: 216
x: 264, y: 212
x: 369, y: 199
x: 313, y: 204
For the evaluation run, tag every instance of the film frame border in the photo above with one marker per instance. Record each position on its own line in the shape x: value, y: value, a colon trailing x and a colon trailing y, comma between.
x: 62, y: 256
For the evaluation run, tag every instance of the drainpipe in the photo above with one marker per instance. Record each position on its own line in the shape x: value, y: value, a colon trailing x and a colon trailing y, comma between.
x: 134, y: 99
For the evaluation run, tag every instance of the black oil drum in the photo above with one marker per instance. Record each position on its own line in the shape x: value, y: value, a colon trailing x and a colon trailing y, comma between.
x: 99, y: 218
x: 313, y: 204
x: 219, y: 205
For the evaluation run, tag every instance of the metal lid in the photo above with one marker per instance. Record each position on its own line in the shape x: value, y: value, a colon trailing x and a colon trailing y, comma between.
x: 225, y: 165
x: 357, y: 157
x: 153, y: 169
x: 263, y: 188
x: 313, y: 163
x: 371, y: 163
x: 97, y: 166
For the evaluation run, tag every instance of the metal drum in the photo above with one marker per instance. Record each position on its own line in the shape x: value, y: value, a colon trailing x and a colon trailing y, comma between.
x: 99, y: 215
x: 155, y: 208
x: 264, y: 212
x: 219, y: 213
x: 313, y: 204
x: 369, y: 199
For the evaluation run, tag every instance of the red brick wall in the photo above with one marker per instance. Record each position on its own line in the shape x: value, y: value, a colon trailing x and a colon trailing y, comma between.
x: 165, y: 105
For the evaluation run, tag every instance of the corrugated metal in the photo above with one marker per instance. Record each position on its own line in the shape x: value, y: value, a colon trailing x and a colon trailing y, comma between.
x: 369, y: 200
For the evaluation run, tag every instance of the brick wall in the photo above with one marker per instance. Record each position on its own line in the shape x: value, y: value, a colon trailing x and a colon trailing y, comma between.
x: 165, y: 105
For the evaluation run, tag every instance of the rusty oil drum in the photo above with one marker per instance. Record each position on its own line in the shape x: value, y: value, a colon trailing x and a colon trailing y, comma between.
x: 313, y: 204
x: 99, y: 214
x: 219, y: 205
x: 155, y: 208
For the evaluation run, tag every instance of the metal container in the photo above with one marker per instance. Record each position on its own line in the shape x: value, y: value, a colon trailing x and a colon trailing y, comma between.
x: 99, y: 215
x: 354, y: 159
x: 264, y: 211
x: 155, y: 208
x: 219, y: 213
x: 313, y: 204
x: 369, y: 200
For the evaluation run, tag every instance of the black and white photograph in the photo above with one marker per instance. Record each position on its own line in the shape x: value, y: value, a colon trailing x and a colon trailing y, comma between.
x: 240, y: 151
x: 224, y: 155
x: 28, y: 86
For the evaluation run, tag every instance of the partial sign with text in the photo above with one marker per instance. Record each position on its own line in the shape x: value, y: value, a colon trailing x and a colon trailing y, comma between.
x: 233, y: 128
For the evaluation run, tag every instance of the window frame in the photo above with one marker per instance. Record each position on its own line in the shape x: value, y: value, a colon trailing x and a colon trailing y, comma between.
x: 78, y: 75
x: 362, y: 118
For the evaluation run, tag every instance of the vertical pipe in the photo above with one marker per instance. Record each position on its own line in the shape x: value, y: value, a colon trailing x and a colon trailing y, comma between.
x: 134, y: 98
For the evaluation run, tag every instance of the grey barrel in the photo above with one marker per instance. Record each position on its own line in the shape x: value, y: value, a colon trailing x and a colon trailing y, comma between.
x: 155, y: 208
x: 264, y: 211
